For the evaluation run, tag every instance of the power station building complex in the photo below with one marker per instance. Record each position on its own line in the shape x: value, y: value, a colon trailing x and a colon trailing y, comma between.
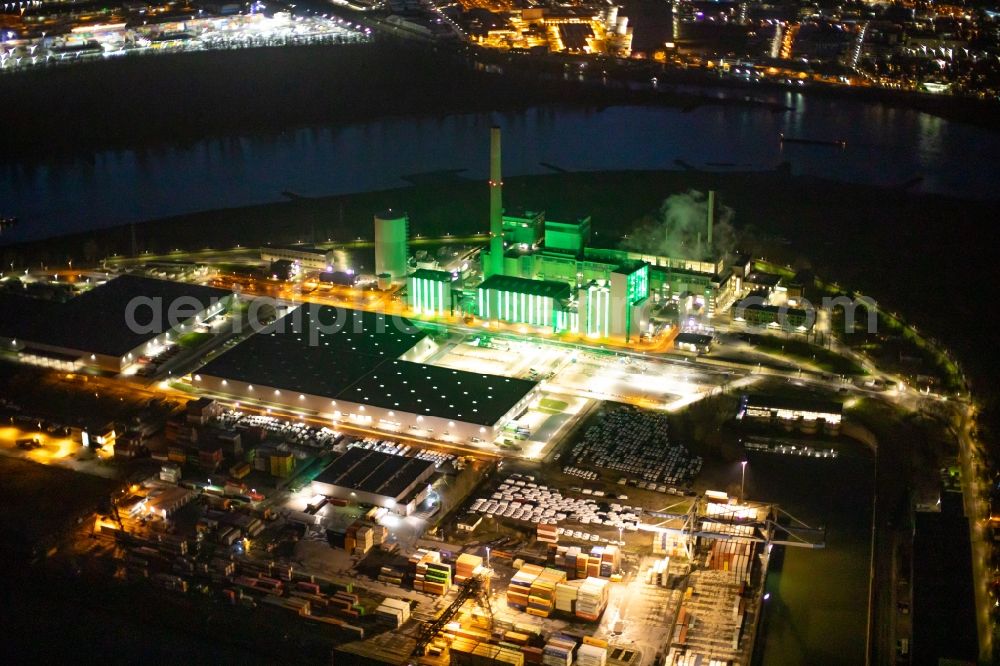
x: 546, y: 273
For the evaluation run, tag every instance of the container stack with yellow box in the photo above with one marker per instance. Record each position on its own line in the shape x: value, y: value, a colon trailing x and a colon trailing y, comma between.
x: 432, y: 575
x: 465, y: 567
x: 671, y: 544
x: 519, y: 588
x: 542, y: 599
x: 593, y: 652
x: 566, y: 594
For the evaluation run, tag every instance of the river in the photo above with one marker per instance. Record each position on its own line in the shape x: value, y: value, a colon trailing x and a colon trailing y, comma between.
x: 817, y: 608
x: 884, y: 146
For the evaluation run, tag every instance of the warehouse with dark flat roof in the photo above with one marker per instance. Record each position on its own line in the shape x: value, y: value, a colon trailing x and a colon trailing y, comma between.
x: 693, y: 342
x: 366, y: 476
x: 110, y: 326
x: 366, y: 371
x: 431, y: 390
x: 318, y: 350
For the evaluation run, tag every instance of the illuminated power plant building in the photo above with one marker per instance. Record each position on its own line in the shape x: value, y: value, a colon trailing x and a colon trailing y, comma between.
x: 429, y: 292
x: 547, y: 274
x: 516, y: 300
x: 391, y: 233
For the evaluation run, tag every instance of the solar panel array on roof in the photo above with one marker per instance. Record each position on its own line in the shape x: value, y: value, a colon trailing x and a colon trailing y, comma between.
x: 432, y: 390
x: 316, y: 350
x: 364, y: 368
x: 374, y: 472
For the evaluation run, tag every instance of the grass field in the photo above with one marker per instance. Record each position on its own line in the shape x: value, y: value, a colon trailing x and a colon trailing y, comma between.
x: 193, y: 339
x: 553, y: 405
x: 39, y: 502
x: 808, y: 353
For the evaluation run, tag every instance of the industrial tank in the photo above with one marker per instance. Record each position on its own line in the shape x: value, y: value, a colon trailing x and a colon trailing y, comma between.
x: 391, y: 230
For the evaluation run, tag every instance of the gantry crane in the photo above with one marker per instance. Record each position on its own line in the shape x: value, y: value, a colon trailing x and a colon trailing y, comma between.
x: 477, y: 589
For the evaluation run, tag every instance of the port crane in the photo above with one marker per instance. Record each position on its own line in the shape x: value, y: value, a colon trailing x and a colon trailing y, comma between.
x: 108, y: 508
x: 778, y: 527
x: 476, y: 588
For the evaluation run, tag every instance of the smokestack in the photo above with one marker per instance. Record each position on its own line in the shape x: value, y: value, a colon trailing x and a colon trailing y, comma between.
x: 711, y: 217
x: 496, y: 205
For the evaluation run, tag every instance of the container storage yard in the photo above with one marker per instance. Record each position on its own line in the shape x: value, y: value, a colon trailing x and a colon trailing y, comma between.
x: 522, y: 567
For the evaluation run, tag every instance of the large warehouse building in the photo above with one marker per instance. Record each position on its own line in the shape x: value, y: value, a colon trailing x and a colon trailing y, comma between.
x: 363, y: 368
x: 364, y: 476
x: 99, y: 334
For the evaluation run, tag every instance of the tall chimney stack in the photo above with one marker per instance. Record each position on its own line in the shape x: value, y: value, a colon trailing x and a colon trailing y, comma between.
x: 711, y: 217
x: 496, y: 205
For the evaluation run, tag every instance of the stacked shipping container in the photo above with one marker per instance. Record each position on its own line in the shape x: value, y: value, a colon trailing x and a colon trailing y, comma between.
x: 431, y: 574
x: 592, y: 599
x: 542, y: 597
x: 394, y: 612
x: 520, y: 586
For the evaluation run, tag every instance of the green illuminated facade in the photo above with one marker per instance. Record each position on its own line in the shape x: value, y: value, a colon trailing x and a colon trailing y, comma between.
x: 429, y: 292
x: 517, y: 300
x: 570, y: 237
x: 610, y: 290
x: 523, y: 228
x: 630, y: 294
x: 595, y: 311
x: 612, y: 302
x: 391, y: 233
x: 637, y: 284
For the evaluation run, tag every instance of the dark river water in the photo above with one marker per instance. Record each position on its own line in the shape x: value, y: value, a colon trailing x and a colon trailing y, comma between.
x: 817, y: 612
x: 884, y: 146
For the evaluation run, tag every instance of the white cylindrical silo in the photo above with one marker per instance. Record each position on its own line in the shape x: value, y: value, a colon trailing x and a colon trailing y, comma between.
x: 391, y: 232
